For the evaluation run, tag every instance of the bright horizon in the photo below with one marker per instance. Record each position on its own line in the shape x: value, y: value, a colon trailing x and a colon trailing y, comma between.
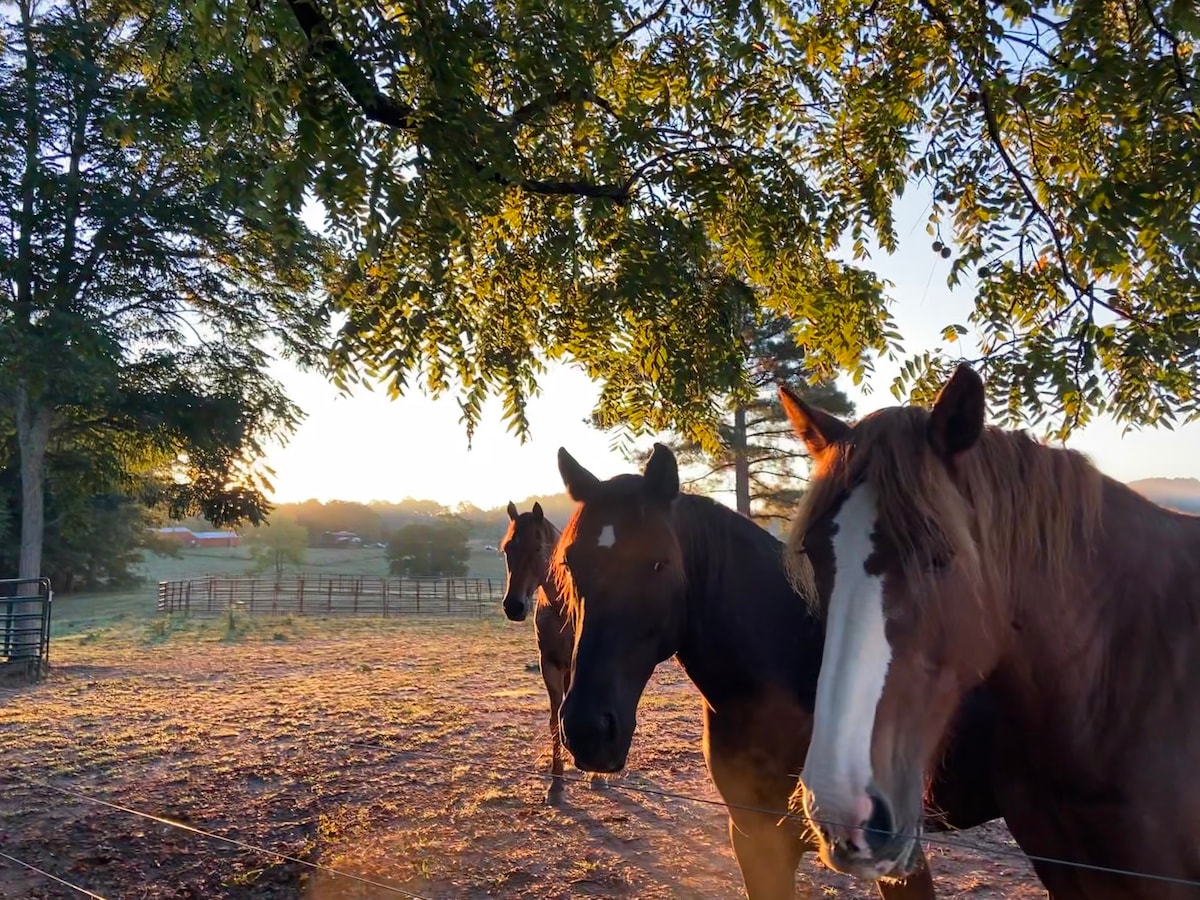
x: 366, y: 447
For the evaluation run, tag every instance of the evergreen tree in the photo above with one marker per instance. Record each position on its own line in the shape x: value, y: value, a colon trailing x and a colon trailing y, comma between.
x: 758, y: 458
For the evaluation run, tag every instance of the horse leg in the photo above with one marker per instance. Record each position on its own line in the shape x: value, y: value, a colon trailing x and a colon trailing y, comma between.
x: 768, y: 856
x: 555, y: 686
x: 917, y: 886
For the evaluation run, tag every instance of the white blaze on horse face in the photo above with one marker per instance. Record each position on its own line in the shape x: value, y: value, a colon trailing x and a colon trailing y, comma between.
x: 607, y: 536
x: 854, y: 667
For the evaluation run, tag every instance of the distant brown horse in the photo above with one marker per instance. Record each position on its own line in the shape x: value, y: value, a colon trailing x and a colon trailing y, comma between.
x: 648, y: 573
x: 527, y: 547
x: 942, y: 553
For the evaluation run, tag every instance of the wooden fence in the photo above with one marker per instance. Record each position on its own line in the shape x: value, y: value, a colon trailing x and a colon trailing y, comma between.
x: 331, y: 595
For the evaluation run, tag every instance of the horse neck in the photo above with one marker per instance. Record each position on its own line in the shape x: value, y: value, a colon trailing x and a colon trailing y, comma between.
x: 1132, y: 594
x: 742, y: 623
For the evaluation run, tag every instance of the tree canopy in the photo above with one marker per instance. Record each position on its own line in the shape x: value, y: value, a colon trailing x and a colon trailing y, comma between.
x: 557, y: 179
x: 436, y: 547
x: 146, y: 285
x: 273, y: 546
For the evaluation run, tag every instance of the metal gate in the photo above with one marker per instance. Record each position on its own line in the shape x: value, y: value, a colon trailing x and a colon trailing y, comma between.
x: 25, y: 626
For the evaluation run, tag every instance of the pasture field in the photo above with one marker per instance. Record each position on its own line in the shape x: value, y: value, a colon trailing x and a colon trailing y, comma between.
x: 87, y: 611
x: 407, y: 752
x: 194, y: 563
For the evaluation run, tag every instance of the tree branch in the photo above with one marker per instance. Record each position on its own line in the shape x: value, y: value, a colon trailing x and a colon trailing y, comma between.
x: 1160, y: 28
x: 375, y: 105
x: 378, y: 107
x: 638, y: 26
x: 525, y: 114
x: 996, y: 138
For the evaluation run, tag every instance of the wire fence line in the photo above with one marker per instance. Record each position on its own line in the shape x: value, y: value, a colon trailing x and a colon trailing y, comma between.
x: 51, y: 876
x: 938, y: 839
x: 183, y: 826
x: 986, y: 850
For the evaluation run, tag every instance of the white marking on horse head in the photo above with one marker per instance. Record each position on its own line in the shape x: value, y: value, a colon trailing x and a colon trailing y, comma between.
x: 854, y: 667
x: 607, y: 536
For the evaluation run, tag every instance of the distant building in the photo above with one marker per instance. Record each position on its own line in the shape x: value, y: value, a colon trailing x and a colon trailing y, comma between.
x: 217, y: 539
x: 177, y: 533
x: 190, y: 538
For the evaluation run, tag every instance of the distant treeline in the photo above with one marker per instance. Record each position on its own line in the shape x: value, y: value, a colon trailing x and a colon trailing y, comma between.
x: 377, y: 521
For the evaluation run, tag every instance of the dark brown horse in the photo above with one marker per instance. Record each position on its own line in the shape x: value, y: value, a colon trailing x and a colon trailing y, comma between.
x: 648, y: 573
x: 943, y: 553
x: 527, y: 548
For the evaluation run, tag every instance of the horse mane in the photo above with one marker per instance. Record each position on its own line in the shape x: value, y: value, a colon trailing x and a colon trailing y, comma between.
x: 548, y: 536
x: 560, y: 575
x: 711, y: 538
x: 1010, y: 502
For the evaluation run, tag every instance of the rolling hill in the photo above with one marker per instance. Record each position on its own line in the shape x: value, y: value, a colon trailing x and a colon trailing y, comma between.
x: 1182, y: 494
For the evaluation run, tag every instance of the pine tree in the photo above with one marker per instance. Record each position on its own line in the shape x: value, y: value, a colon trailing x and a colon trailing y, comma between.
x: 759, y: 459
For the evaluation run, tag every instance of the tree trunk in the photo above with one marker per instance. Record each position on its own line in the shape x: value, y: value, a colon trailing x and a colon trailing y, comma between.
x: 33, y: 436
x: 741, y: 461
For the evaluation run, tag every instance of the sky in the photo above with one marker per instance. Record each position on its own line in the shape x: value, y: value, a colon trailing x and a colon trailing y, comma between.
x: 366, y: 447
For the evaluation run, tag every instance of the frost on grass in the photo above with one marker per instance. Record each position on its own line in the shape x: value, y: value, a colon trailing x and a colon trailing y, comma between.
x: 408, y: 753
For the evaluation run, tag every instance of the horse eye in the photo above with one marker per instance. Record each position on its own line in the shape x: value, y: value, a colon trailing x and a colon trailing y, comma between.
x: 659, y: 566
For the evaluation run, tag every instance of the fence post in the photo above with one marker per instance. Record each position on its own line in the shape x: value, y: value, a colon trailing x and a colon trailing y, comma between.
x: 418, y: 595
x: 385, y: 598
x: 449, y: 581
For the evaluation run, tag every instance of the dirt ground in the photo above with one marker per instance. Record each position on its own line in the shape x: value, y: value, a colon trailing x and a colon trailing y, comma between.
x: 407, y: 754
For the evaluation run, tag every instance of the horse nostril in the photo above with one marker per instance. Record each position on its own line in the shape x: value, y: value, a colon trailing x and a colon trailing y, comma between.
x: 880, y: 828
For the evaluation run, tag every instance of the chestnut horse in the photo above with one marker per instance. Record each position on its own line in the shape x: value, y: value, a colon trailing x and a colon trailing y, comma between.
x: 942, y: 552
x: 648, y: 573
x: 527, y: 547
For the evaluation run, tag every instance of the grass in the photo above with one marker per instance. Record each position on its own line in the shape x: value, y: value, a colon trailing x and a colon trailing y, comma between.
x: 277, y: 733
x: 219, y: 725
x: 236, y: 561
x: 88, y: 612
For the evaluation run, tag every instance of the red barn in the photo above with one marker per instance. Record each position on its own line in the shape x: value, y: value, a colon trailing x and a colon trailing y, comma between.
x: 217, y: 539
x: 177, y: 533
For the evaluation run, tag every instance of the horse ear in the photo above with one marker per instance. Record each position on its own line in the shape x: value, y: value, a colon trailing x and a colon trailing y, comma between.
x: 662, y: 473
x: 538, y: 515
x: 817, y: 428
x: 512, y: 510
x: 957, y: 419
x: 579, y: 482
